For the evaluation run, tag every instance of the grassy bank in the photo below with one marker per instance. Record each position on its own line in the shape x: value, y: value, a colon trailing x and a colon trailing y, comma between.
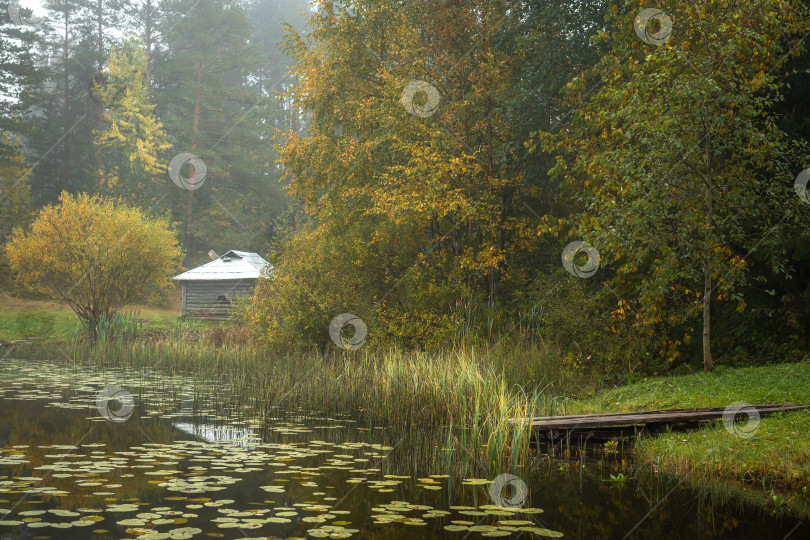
x: 25, y: 319
x: 771, y: 453
x: 31, y: 319
x: 779, y: 383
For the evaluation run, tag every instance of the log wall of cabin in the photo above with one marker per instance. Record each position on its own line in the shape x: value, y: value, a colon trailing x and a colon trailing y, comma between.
x: 212, y: 299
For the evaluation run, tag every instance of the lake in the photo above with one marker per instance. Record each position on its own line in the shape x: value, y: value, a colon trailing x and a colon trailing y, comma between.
x: 89, y: 453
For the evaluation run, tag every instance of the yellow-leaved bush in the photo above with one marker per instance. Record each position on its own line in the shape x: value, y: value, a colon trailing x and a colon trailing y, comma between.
x: 95, y: 255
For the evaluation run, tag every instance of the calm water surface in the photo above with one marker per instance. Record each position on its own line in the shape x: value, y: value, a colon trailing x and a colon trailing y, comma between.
x: 91, y: 454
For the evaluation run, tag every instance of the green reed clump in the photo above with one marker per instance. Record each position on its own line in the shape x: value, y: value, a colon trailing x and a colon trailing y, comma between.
x: 118, y: 327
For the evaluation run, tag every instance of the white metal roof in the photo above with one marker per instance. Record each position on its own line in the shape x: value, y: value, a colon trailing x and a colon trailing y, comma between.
x: 232, y: 265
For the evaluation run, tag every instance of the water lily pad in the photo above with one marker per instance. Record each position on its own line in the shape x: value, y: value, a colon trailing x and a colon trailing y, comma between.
x: 542, y: 532
x: 476, y: 481
x: 63, y: 513
x: 133, y: 522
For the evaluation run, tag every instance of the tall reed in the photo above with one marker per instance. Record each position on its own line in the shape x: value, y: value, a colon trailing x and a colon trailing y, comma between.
x: 471, y: 400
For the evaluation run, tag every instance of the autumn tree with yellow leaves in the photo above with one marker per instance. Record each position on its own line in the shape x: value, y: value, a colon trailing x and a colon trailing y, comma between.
x: 407, y: 157
x: 94, y: 255
x: 132, y: 142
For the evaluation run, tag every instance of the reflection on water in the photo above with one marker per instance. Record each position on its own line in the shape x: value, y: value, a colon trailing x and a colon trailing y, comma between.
x: 243, y: 437
x: 178, y: 467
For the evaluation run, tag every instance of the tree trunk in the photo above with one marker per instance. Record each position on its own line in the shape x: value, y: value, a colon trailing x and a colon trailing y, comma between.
x: 100, y: 38
x: 148, y: 44
x: 66, y: 105
x: 708, y: 365
x: 195, y: 131
x: 100, y: 78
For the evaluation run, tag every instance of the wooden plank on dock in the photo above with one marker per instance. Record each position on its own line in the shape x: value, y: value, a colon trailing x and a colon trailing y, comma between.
x: 580, y: 422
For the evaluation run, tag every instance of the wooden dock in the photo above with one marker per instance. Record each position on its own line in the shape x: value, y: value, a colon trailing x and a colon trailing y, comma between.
x: 602, y: 426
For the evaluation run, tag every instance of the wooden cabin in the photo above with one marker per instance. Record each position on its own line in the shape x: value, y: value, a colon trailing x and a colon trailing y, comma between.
x: 210, y: 289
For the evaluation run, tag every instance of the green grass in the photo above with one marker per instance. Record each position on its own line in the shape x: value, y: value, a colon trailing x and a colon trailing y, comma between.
x: 776, y: 455
x: 49, y: 321
x: 28, y: 323
x: 779, y: 383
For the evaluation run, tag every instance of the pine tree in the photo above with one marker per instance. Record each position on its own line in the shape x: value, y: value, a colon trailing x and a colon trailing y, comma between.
x: 15, y: 192
x: 203, y: 84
